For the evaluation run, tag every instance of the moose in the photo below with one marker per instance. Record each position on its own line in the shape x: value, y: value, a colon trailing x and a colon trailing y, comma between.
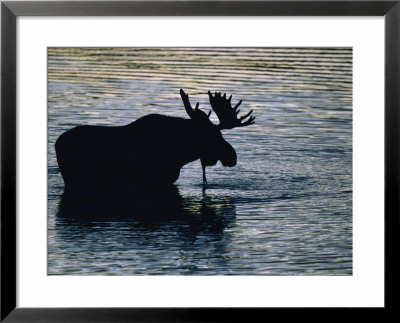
x: 149, y: 152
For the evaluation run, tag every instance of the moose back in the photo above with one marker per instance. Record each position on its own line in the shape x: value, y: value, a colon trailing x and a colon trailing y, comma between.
x: 148, y: 153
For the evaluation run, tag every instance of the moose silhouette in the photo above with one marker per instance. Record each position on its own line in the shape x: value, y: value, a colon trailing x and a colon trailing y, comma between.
x: 148, y: 153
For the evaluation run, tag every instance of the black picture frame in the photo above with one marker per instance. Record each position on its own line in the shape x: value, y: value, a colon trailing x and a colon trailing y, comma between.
x: 11, y: 10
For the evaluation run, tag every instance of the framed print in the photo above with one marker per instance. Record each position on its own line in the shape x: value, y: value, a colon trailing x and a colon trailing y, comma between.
x: 134, y: 189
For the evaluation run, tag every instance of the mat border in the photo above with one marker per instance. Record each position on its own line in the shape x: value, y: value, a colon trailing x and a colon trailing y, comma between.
x: 10, y: 10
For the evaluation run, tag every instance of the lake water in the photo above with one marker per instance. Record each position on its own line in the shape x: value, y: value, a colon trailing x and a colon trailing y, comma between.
x: 284, y: 209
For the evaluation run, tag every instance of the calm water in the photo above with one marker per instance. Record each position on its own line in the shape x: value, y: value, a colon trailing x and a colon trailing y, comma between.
x: 284, y: 209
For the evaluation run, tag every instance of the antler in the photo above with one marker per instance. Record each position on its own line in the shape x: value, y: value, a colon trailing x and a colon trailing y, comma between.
x: 228, y: 116
x: 186, y: 103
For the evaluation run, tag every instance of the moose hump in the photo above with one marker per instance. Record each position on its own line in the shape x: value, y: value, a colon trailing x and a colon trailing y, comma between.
x: 148, y: 153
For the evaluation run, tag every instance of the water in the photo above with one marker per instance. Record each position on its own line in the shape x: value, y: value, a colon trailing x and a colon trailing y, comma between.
x: 284, y: 209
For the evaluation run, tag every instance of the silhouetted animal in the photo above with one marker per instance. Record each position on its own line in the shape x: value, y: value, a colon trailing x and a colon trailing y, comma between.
x: 148, y: 153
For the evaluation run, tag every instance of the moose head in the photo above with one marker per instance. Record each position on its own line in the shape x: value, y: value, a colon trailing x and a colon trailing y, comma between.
x: 213, y: 146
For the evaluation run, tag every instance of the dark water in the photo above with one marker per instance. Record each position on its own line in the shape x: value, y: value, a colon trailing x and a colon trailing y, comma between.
x: 285, y: 209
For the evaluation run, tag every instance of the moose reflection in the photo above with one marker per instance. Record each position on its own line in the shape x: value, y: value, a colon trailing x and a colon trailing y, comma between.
x: 149, y: 152
x: 168, y: 235
x: 199, y: 211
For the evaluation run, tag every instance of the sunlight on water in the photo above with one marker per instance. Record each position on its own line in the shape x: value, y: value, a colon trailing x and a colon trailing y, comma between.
x: 284, y: 209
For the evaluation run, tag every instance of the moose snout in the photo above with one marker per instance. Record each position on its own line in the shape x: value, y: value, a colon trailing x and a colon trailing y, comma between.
x: 229, y: 157
x: 229, y: 163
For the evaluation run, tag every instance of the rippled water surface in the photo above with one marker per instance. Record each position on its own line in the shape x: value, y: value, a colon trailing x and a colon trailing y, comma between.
x: 284, y: 209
